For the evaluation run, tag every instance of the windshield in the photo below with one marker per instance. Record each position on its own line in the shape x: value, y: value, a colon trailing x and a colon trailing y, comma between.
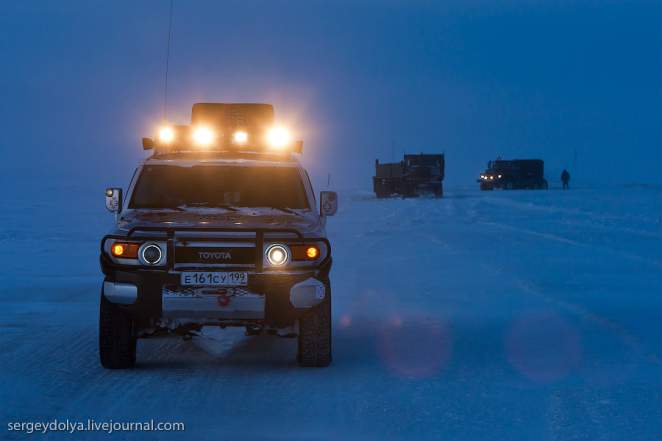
x: 167, y: 186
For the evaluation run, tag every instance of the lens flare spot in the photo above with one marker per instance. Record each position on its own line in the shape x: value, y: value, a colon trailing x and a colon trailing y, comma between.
x: 414, y: 347
x: 543, y: 347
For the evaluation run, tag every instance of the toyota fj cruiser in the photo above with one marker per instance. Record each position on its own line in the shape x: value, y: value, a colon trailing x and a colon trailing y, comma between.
x: 219, y: 227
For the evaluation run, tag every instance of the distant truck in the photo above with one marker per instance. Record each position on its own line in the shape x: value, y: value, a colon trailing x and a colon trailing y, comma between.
x: 514, y: 174
x: 414, y: 176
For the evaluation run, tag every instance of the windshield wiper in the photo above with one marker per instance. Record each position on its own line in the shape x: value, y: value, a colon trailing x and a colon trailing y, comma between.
x: 208, y: 205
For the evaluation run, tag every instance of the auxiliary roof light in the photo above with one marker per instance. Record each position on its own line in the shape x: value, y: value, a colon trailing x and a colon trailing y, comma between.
x: 240, y: 137
x: 278, y: 137
x: 203, y: 136
x: 166, y: 134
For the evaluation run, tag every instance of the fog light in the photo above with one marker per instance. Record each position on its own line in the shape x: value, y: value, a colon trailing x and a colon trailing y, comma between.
x: 277, y: 255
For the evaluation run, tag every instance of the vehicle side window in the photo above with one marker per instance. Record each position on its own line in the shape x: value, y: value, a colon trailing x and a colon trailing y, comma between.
x: 310, y: 187
x: 129, y: 189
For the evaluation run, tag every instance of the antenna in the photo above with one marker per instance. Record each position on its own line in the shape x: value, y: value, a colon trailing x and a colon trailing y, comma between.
x: 165, y: 86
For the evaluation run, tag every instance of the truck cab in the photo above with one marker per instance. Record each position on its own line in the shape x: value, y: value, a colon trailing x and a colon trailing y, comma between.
x: 220, y: 226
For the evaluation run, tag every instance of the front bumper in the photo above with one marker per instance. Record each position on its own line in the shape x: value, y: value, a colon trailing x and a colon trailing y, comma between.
x: 274, y: 298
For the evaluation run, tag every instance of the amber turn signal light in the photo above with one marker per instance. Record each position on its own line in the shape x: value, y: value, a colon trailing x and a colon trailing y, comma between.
x: 305, y: 252
x: 124, y: 250
x: 312, y: 252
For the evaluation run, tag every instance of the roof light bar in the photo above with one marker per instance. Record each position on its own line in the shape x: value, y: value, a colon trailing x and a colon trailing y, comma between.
x: 180, y: 138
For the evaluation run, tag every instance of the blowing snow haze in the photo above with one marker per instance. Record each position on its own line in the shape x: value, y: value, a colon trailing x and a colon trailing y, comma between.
x: 576, y: 83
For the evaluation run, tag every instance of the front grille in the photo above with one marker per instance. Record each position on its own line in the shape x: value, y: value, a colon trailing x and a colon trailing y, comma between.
x: 214, y: 254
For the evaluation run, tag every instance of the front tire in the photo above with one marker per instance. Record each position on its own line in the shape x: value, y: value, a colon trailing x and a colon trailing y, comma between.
x: 314, y: 348
x: 117, y: 342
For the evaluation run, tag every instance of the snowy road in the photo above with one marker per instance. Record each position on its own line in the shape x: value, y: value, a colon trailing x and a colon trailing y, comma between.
x: 505, y: 315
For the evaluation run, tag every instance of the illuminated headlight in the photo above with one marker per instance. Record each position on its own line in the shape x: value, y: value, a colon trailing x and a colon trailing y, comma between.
x: 277, y: 255
x: 278, y: 137
x: 203, y: 136
x: 150, y: 254
x: 166, y: 134
x: 240, y: 137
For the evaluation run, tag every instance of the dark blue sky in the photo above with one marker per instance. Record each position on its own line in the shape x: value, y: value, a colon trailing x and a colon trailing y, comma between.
x: 81, y: 81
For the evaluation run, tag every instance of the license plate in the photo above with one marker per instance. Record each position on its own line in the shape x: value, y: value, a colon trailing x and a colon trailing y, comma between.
x: 199, y: 278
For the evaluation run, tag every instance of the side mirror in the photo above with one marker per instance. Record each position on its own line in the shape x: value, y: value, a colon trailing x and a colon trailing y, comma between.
x: 328, y: 203
x: 114, y: 199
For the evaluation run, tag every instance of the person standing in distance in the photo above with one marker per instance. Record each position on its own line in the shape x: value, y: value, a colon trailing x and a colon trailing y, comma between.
x: 565, y: 179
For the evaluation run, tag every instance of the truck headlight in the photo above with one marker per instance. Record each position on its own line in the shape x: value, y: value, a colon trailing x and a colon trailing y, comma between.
x: 277, y: 255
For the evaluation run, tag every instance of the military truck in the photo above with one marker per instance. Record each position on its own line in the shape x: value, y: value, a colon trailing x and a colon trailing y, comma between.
x: 414, y: 176
x: 219, y: 227
x: 513, y: 174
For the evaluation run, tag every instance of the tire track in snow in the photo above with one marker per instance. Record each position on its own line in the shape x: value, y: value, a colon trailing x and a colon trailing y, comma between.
x: 579, y: 311
x: 530, y: 206
x: 565, y: 240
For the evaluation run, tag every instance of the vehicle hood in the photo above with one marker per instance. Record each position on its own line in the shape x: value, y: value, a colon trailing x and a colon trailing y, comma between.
x: 308, y: 223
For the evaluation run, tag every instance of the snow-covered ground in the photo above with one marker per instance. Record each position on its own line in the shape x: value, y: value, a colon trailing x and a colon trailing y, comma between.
x: 504, y: 316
